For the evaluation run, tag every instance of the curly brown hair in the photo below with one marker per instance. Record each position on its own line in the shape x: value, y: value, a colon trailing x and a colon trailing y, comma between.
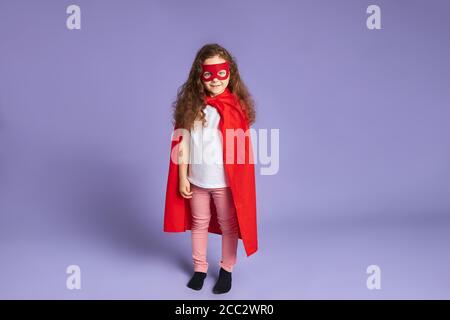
x: 190, y: 96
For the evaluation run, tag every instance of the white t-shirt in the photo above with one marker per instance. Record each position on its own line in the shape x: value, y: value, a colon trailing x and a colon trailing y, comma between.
x: 207, y: 171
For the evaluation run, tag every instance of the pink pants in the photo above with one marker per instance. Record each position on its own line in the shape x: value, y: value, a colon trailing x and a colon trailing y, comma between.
x: 227, y: 219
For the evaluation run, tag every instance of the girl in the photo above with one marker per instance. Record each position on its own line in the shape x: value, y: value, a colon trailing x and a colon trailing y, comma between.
x: 211, y: 181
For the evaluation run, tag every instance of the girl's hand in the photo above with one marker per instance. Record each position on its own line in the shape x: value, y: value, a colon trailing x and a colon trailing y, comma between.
x: 185, y: 188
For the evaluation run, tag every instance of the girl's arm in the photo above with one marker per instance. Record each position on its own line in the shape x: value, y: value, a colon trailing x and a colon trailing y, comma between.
x: 183, y: 155
x: 183, y: 163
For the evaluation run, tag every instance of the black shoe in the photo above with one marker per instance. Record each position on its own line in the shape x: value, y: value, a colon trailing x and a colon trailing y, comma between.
x: 196, y: 281
x: 223, y: 284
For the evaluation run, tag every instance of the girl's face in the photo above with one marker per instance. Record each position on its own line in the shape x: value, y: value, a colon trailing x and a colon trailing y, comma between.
x: 215, y: 75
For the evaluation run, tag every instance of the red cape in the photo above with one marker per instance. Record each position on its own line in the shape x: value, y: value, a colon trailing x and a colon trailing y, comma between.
x: 241, y: 178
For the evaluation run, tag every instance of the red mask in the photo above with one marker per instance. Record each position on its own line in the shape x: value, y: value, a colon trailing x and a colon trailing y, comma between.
x: 214, y: 69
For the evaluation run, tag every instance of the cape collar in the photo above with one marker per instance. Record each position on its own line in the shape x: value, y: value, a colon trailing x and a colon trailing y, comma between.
x: 226, y: 94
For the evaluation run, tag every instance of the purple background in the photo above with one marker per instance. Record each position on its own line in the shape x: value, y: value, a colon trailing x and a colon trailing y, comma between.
x: 364, y: 147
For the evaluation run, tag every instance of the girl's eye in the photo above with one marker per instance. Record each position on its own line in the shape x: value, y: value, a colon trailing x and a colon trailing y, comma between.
x: 207, y: 74
x: 222, y: 73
